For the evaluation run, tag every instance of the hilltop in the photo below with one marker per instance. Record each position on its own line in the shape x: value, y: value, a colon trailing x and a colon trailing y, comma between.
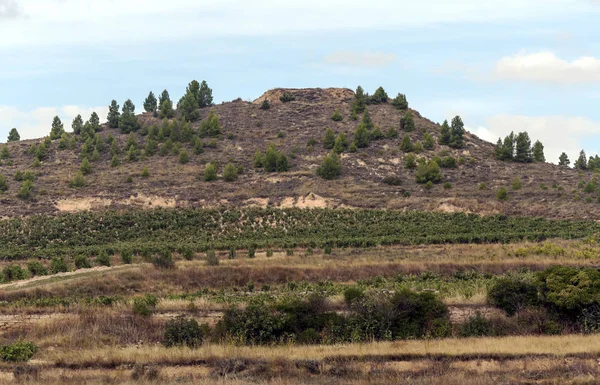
x: 296, y: 128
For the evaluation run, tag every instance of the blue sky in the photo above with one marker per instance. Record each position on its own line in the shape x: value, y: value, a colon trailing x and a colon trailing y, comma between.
x: 513, y: 65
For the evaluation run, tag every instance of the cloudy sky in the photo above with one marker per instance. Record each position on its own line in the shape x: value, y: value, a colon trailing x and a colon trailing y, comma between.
x: 504, y: 66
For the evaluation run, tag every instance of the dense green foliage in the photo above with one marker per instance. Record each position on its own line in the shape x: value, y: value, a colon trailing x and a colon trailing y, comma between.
x: 202, y: 229
x: 183, y: 332
x: 13, y: 135
x: 331, y: 167
x: 19, y: 351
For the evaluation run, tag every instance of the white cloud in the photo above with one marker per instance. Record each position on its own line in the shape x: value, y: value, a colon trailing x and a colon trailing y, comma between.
x: 9, y: 9
x: 360, y: 59
x: 53, y: 22
x: 546, y: 67
x: 558, y: 133
x: 37, y: 123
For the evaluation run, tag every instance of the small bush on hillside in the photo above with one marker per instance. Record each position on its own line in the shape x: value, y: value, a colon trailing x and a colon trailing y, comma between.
x: 502, y: 194
x: 410, y: 161
x: 230, y: 173
x: 353, y: 294
x: 144, y: 306
x: 58, y: 265
x: 103, y: 259
x: 19, y: 351
x: 232, y: 253
x: 210, y: 172
x: 126, y: 257
x: 429, y: 172
x: 164, y: 260
x: 26, y: 191
x: 476, y: 326
x: 251, y: 252
x: 287, y: 97
x: 3, y: 184
x: 183, y: 332
x: 82, y: 262
x: 516, y: 184
x: 448, y: 162
x: 331, y: 167
x: 78, y: 181
x: 13, y: 273
x: 337, y: 116
x: 512, y: 295
x: 392, y: 180
x: 36, y: 269
x: 211, y: 258
x: 265, y: 105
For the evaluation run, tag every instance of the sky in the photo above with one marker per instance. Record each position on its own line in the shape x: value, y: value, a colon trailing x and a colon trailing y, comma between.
x: 503, y: 66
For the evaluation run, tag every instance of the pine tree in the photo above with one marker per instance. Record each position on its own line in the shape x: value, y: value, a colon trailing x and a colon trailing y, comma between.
x: 406, y: 144
x: 328, y: 139
x: 164, y: 97
x: 113, y: 114
x: 57, y: 128
x: 508, y: 147
x: 128, y: 121
x: 457, y: 131
x: 379, y: 97
x: 210, y: 172
x: 581, y: 162
x: 95, y: 122
x: 211, y: 127
x: 360, y: 102
x: 341, y: 143
x: 230, y: 173
x: 331, y: 167
x: 150, y: 104
x: 77, y: 125
x: 166, y: 110
x: 445, y: 134
x: 538, y: 152
x: 188, y: 107
x: 361, y: 136
x: 523, y: 148
x: 400, y: 102
x: 563, y: 160
x: 367, y: 121
x: 407, y: 123
x: 428, y: 142
x: 13, y: 135
x: 205, y: 98
x: 85, y: 167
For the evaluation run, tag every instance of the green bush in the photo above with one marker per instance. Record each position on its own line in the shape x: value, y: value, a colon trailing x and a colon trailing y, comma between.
x: 448, y: 162
x: 164, y: 260
x: 210, y: 172
x: 287, y: 97
x: 36, y: 269
x: 337, y: 116
x: 3, y: 184
x: 58, y: 265
x: 26, y: 191
x: 265, y: 105
x: 103, y: 259
x: 78, y: 181
x: 392, y: 180
x: 19, y: 351
x: 230, y: 173
x: 13, y: 273
x: 502, y: 194
x: 183, y: 332
x: 331, y: 167
x: 512, y: 295
x: 232, y: 253
x: 211, y: 258
x: 82, y: 262
x: 410, y: 161
x: 516, y: 184
x: 126, y: 256
x: 145, y: 306
x: 476, y: 326
x: 251, y: 252
x: 429, y: 172
x: 447, y: 185
x: 352, y: 294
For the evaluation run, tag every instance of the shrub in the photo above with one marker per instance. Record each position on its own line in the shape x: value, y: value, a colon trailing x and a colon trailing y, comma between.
x: 19, y: 351
x: 13, y: 273
x: 183, y: 156
x: 210, y: 172
x: 251, y: 252
x: 502, y: 194
x: 211, y: 258
x: 281, y: 134
x: 516, y: 184
x: 126, y: 256
x: 447, y: 185
x: 26, y: 191
x: 392, y: 180
x: 476, y: 326
x: 376, y: 134
x: 230, y: 173
x: 428, y: 142
x: 211, y: 127
x: 448, y: 162
x: 183, y: 332
x: 400, y: 102
x: 406, y: 144
x: 3, y: 184
x: 353, y: 294
x: 265, y: 105
x: 232, y: 253
x: 331, y: 167
x: 36, y: 269
x: 337, y: 116
x: 410, y: 161
x: 429, y: 172
x: 103, y: 259
x: 361, y: 136
x: 287, y: 97
x: 58, y: 265
x: 164, y: 260
x: 145, y: 173
x: 391, y: 133
x: 82, y: 262
x: 512, y: 295
x: 407, y: 123
x: 78, y: 181
x: 144, y: 306
x: 482, y: 186
x: 418, y: 147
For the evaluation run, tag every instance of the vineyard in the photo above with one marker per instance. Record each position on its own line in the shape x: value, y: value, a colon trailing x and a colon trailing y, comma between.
x: 220, y: 229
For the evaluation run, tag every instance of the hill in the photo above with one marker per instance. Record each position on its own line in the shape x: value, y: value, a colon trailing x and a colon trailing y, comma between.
x: 296, y: 128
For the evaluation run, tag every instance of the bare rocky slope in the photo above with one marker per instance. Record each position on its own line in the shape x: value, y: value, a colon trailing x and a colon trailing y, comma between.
x: 547, y: 190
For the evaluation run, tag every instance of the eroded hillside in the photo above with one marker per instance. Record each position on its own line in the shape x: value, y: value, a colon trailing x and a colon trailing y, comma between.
x: 547, y: 190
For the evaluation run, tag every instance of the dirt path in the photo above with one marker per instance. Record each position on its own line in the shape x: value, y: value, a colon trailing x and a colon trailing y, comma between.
x: 48, y: 279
